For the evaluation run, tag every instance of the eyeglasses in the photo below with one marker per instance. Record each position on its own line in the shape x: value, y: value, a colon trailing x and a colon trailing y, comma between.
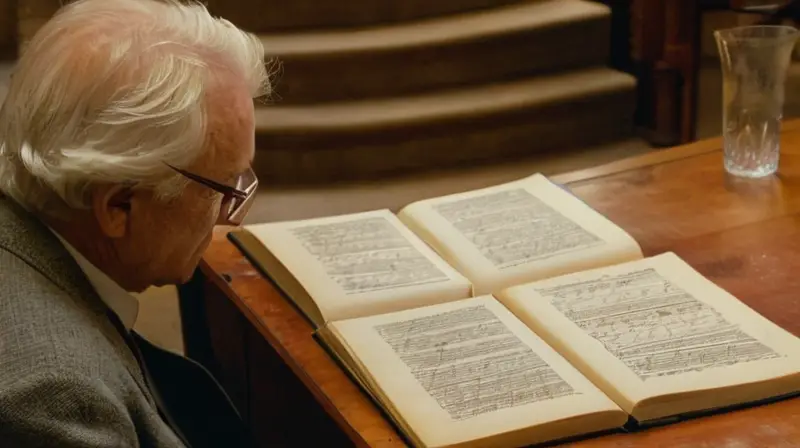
x: 236, y: 200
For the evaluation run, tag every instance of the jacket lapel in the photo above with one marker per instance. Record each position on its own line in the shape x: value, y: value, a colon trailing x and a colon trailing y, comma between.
x: 24, y: 236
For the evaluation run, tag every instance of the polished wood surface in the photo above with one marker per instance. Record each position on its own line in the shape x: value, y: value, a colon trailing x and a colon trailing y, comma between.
x: 742, y: 234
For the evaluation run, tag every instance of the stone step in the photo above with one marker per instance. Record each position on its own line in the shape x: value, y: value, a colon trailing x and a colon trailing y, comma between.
x: 368, y: 139
x: 491, y: 45
x: 313, y: 201
x: 279, y: 15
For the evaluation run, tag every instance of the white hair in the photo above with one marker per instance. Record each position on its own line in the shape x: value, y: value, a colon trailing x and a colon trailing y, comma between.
x: 109, y: 91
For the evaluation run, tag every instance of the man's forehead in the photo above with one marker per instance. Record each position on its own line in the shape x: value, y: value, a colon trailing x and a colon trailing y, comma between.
x: 231, y: 156
x: 231, y: 129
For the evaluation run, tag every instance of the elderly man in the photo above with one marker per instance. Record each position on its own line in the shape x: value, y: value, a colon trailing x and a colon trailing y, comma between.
x: 126, y: 136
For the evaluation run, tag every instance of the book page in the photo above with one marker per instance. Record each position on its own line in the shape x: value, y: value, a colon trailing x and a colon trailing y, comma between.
x: 367, y: 254
x: 656, y: 327
x: 518, y: 232
x: 361, y: 264
x: 469, y: 370
x: 486, y: 359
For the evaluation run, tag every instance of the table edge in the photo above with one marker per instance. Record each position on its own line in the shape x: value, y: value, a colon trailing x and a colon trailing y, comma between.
x: 657, y: 157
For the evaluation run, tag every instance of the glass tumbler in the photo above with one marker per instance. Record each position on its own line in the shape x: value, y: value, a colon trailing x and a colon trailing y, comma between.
x: 755, y: 61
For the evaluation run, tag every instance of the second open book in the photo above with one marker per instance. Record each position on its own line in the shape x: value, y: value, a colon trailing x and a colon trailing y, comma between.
x: 517, y: 314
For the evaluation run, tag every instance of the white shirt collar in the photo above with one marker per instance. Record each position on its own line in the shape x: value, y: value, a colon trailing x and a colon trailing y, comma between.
x: 121, y: 302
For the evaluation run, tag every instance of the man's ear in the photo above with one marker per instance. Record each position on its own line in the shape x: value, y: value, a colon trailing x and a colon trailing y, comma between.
x: 112, y: 208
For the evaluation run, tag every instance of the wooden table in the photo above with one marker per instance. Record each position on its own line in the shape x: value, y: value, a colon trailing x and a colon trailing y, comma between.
x: 742, y: 234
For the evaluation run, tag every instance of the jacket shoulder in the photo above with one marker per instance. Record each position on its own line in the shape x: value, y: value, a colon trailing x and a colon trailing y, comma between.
x: 44, y: 327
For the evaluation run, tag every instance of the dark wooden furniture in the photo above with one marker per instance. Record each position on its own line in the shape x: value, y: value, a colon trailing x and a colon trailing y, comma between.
x: 744, y: 235
x: 664, y: 56
x: 658, y: 41
x: 8, y: 30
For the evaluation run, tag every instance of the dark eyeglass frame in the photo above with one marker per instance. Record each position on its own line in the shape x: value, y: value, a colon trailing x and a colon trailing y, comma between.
x: 236, y: 202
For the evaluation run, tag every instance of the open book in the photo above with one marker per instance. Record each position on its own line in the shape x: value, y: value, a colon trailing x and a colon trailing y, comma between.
x: 516, y: 315
x: 436, y: 250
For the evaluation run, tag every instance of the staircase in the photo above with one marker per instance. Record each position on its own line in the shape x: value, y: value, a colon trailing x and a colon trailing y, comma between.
x: 367, y: 89
x: 372, y: 88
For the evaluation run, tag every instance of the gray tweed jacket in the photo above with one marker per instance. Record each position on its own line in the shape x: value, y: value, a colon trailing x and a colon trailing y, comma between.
x: 68, y: 376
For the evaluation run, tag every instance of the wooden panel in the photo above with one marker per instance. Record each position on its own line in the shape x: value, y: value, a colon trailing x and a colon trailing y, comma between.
x: 744, y: 235
x: 647, y: 29
x: 290, y: 336
x: 682, y: 51
x: 8, y: 30
x: 283, y: 412
x: 665, y: 48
